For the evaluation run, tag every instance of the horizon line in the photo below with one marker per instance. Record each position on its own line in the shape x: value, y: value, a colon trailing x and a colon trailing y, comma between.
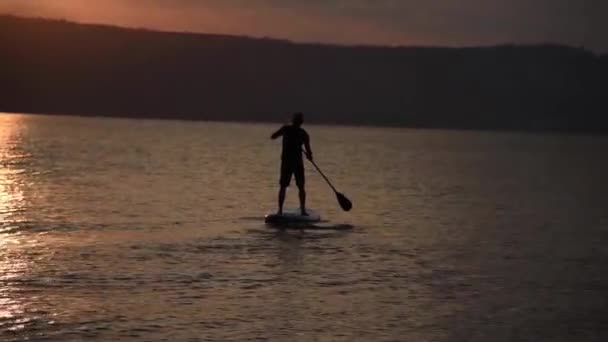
x: 303, y: 42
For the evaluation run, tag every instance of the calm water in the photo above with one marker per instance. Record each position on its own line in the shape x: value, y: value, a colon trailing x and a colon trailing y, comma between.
x: 151, y: 230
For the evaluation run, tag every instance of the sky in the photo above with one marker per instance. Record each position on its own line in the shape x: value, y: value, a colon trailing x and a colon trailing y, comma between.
x: 580, y: 23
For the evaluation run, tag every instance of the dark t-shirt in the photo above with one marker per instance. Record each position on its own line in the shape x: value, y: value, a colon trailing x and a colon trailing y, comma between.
x: 293, y: 139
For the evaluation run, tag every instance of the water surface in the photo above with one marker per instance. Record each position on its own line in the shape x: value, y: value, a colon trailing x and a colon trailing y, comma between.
x: 117, y: 229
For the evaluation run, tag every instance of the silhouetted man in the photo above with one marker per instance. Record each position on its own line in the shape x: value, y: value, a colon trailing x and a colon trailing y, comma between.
x: 294, y: 136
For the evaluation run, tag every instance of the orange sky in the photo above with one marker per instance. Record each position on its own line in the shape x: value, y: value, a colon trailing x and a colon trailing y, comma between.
x: 392, y: 22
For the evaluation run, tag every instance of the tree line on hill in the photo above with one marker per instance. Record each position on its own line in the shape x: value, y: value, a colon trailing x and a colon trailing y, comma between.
x: 58, y: 67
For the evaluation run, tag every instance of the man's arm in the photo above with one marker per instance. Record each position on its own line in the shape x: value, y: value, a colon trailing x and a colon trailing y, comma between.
x: 277, y: 133
x: 307, y: 146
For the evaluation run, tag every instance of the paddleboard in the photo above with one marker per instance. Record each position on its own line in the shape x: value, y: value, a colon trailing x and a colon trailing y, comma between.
x: 311, y: 226
x: 293, y: 216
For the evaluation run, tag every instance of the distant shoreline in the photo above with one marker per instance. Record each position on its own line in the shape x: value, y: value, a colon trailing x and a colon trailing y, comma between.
x: 327, y: 124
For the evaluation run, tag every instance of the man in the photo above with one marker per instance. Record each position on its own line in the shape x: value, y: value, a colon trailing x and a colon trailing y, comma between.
x: 294, y: 136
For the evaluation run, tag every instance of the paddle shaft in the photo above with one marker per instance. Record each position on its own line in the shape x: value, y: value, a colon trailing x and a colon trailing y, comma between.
x: 324, y: 177
x: 344, y: 202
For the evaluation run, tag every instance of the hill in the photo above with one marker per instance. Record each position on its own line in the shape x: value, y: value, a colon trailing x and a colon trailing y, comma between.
x: 51, y: 66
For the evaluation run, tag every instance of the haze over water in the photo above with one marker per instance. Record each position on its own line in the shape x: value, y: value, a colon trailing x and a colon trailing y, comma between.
x: 118, y: 229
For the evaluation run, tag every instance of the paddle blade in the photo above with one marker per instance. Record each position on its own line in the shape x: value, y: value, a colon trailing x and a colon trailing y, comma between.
x: 345, y: 203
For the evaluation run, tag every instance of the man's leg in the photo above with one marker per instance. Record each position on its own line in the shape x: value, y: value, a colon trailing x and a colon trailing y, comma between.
x: 302, y: 194
x: 299, y: 173
x: 286, y: 172
x: 281, y: 199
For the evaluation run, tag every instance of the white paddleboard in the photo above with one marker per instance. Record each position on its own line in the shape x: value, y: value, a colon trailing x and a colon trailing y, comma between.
x: 293, y: 216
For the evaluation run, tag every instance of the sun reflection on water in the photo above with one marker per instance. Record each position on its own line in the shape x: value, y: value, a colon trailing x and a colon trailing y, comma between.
x: 11, y: 268
x: 12, y: 157
x: 13, y: 262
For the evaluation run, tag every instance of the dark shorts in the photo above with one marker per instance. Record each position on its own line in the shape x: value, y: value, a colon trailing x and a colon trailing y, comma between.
x: 292, y: 167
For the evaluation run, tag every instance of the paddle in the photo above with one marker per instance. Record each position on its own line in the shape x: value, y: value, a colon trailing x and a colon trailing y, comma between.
x: 345, y: 203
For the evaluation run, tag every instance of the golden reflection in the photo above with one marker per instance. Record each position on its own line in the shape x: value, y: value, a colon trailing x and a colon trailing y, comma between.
x: 13, y: 264
x: 11, y: 197
x: 12, y: 127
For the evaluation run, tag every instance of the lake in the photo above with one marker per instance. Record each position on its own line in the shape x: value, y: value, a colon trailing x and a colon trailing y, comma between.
x: 149, y: 230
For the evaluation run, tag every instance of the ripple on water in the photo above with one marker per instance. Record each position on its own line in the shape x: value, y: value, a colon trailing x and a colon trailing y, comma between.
x: 129, y: 230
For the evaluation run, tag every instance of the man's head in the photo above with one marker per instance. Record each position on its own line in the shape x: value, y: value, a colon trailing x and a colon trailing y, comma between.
x: 297, y: 119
